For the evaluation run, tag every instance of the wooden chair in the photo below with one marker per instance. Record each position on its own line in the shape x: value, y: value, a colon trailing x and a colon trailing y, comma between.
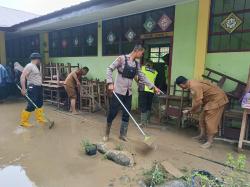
x: 53, y: 75
x: 220, y: 79
x: 231, y: 120
x: 244, y: 131
x: 176, y: 102
x: 93, y: 95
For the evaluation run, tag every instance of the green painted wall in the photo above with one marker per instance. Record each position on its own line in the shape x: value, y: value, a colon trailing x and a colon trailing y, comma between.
x: 183, y: 52
x: 184, y: 39
x: 234, y: 64
x: 97, y: 65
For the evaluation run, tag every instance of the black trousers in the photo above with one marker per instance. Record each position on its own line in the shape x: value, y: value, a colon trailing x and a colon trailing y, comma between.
x: 115, y: 106
x: 145, y: 101
x: 35, y: 93
x: 3, y: 92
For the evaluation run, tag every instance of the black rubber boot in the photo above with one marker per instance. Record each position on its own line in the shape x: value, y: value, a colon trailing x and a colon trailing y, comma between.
x: 123, y: 131
x: 144, y: 120
x: 107, y: 132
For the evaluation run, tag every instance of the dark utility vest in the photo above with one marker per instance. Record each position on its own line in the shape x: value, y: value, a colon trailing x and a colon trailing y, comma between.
x: 128, y: 71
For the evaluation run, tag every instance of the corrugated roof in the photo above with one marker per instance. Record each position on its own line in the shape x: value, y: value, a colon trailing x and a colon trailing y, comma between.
x: 10, y: 17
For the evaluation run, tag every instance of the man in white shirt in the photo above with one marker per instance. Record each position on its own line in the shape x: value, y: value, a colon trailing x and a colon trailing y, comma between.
x: 34, y: 90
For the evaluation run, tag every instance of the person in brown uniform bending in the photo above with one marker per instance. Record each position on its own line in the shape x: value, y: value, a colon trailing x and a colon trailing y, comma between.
x: 72, y: 83
x: 212, y: 100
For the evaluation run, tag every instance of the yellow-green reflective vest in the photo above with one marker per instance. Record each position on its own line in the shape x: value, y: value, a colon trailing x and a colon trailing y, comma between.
x: 151, y: 75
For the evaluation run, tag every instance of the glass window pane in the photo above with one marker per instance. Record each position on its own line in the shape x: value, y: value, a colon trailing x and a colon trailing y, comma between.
x: 163, y: 54
x: 154, y: 55
x: 154, y: 49
x: 164, y: 49
x: 214, y: 43
x: 239, y: 4
x: 246, y: 24
x: 225, y: 42
x: 216, y: 27
x: 241, y: 16
x: 245, y: 42
x: 235, y: 43
x: 218, y: 6
x: 247, y: 6
x: 155, y: 60
x: 127, y: 47
x: 228, y: 6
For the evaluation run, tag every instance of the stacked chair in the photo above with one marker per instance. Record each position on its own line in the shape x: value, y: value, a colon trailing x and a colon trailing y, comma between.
x: 93, y: 95
x: 54, y: 75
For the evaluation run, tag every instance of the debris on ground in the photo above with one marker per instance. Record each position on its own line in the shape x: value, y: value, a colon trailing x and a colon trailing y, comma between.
x: 105, y: 147
x: 141, y: 183
x: 125, y: 179
x: 120, y: 157
x: 111, y: 185
x: 172, y: 169
x: 123, y: 158
x: 90, y: 149
x: 156, y: 175
x: 102, y: 147
x: 174, y: 183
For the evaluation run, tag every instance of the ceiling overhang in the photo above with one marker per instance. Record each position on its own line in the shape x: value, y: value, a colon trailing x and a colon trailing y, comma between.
x: 94, y: 14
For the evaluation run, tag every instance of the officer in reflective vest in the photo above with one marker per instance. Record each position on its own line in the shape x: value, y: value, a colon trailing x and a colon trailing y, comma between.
x: 145, y: 94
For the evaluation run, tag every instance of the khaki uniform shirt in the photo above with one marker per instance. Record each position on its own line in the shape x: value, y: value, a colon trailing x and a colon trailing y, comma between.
x: 212, y: 96
x: 70, y: 81
x: 122, y: 85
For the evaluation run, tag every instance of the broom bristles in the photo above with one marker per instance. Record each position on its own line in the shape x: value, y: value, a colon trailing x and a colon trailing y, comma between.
x: 148, y: 140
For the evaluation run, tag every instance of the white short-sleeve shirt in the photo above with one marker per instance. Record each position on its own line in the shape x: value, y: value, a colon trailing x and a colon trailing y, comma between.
x: 34, y: 76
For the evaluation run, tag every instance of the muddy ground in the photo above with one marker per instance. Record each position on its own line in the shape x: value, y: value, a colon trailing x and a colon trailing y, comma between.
x: 54, y: 158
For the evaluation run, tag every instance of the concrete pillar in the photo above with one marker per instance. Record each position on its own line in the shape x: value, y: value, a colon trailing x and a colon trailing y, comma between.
x: 99, y: 43
x: 44, y: 47
x: 202, y: 38
x: 2, y: 48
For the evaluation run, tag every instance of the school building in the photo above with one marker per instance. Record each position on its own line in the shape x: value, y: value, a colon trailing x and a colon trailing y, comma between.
x: 195, y: 33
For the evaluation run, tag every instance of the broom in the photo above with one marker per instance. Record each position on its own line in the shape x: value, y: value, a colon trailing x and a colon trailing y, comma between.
x: 147, y: 138
x: 51, y: 123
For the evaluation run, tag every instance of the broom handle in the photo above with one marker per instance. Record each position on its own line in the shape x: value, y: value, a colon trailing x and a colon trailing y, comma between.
x: 129, y: 114
x: 27, y: 97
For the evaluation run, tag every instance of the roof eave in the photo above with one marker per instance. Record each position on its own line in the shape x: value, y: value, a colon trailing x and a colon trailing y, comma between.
x: 6, y: 29
x: 68, y: 10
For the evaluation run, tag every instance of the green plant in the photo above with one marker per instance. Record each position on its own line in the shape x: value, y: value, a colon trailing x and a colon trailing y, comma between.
x: 202, y: 180
x: 87, y: 145
x: 233, y: 175
x: 119, y: 147
x: 155, y: 176
x: 104, y: 157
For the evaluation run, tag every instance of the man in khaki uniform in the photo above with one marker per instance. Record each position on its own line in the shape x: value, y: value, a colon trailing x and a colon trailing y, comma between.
x: 212, y: 100
x: 71, y: 83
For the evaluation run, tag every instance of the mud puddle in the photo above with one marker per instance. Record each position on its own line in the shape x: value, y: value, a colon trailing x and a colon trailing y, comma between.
x: 14, y: 176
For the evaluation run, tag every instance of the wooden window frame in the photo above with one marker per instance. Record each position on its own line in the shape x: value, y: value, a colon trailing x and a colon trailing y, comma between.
x: 80, y: 33
x: 224, y: 33
x: 170, y: 11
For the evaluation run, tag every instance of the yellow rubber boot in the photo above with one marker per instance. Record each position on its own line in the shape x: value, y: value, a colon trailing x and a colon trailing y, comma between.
x: 25, y: 119
x: 39, y: 113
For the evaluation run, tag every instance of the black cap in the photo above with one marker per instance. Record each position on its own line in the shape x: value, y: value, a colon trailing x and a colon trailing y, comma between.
x: 181, y: 80
x: 34, y: 56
